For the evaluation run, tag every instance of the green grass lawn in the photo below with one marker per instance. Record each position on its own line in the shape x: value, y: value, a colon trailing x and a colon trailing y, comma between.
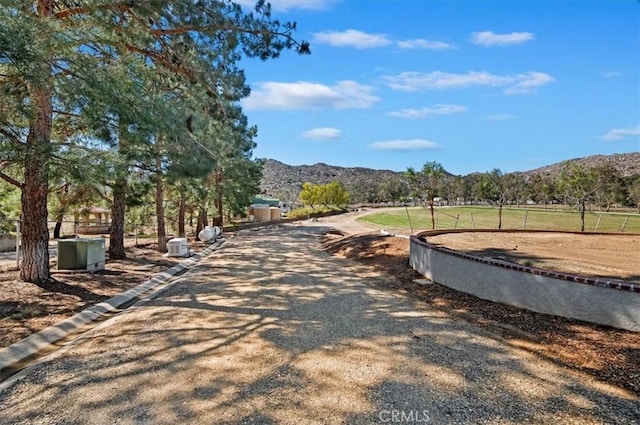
x: 512, y: 218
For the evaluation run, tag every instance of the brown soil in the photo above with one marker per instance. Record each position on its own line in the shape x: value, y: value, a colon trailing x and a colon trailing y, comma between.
x: 608, y: 256
x: 607, y: 353
x: 611, y: 355
x: 26, y: 308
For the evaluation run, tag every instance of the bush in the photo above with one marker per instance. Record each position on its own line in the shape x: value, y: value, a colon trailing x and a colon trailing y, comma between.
x: 313, y: 212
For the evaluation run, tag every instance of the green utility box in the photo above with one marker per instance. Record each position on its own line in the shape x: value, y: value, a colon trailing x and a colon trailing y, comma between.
x: 81, y: 254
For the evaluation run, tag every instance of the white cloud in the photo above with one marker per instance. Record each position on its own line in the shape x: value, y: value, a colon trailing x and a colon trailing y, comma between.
x: 489, y: 38
x: 308, y: 95
x: 527, y: 83
x: 405, y: 145
x: 323, y: 133
x: 609, y: 75
x: 351, y: 38
x: 500, y: 117
x: 621, y: 133
x: 427, y: 112
x: 362, y: 40
x: 514, y: 84
x: 420, y: 43
x: 284, y: 5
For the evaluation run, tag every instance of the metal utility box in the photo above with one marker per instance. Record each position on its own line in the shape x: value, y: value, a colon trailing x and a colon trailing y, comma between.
x: 81, y: 254
x: 178, y: 247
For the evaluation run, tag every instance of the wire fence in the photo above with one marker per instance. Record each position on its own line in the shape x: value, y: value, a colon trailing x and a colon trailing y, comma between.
x: 525, y: 219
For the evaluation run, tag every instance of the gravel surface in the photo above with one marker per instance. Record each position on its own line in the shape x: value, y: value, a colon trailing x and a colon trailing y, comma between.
x: 270, y: 329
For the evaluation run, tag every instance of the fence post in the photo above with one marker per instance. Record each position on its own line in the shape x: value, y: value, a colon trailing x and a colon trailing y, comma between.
x: 598, y: 223
x: 624, y: 224
x: 409, y: 218
x: 18, y: 244
x: 524, y: 225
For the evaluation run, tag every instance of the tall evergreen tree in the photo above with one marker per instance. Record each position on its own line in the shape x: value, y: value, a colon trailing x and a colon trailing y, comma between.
x: 48, y: 45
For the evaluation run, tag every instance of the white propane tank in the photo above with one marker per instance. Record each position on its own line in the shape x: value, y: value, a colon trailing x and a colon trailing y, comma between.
x: 207, y: 235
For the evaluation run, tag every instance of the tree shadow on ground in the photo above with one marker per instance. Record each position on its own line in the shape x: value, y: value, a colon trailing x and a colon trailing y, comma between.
x: 54, y: 286
x: 16, y: 309
x: 608, y: 353
x: 535, y: 261
x: 270, y: 329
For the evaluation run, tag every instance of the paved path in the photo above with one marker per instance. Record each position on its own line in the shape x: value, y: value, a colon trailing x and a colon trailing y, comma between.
x: 271, y: 330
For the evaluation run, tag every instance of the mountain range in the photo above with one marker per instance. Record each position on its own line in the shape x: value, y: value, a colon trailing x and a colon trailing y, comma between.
x: 279, y: 178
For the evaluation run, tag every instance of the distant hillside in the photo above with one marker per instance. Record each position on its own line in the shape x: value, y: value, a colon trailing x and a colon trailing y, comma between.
x: 281, y: 180
x: 278, y: 177
x: 627, y: 164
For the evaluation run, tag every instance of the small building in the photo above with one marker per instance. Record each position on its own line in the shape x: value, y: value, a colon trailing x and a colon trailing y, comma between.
x: 92, y: 221
x: 266, y: 200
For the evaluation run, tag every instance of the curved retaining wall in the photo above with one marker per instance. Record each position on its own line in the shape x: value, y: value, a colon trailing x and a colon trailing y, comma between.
x: 608, y: 302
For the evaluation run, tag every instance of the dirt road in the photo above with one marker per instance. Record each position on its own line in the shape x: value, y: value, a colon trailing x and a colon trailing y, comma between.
x: 270, y: 329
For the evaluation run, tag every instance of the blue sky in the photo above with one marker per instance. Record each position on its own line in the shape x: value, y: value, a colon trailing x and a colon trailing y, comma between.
x: 473, y: 85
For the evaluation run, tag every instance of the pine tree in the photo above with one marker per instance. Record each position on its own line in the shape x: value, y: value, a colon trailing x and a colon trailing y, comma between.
x: 51, y: 55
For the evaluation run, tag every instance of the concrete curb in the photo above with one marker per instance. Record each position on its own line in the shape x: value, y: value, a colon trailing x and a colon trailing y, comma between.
x: 13, y: 355
x: 596, y: 300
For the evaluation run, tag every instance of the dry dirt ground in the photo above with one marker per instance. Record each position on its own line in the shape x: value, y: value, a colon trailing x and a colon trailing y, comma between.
x: 26, y: 308
x: 610, y: 354
x: 608, y: 256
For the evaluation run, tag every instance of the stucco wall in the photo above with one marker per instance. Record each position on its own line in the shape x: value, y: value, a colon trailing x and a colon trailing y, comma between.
x: 608, y: 302
x: 7, y: 242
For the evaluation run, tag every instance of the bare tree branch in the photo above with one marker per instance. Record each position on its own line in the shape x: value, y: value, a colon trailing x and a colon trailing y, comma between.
x: 11, y: 180
x: 13, y: 138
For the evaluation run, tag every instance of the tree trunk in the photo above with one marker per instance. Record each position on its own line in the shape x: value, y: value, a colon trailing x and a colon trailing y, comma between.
x: 500, y: 215
x: 202, y: 220
x: 162, y: 232
x: 433, y: 219
x: 116, y: 231
x: 35, y: 235
x: 217, y: 221
x: 56, y: 230
x: 181, y: 216
x: 582, y: 208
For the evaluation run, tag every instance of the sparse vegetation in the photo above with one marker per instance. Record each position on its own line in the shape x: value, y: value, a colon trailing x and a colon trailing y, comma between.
x: 311, y: 212
x: 612, y: 183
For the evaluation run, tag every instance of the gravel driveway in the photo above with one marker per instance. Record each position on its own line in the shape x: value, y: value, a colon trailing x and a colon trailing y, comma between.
x: 271, y: 330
